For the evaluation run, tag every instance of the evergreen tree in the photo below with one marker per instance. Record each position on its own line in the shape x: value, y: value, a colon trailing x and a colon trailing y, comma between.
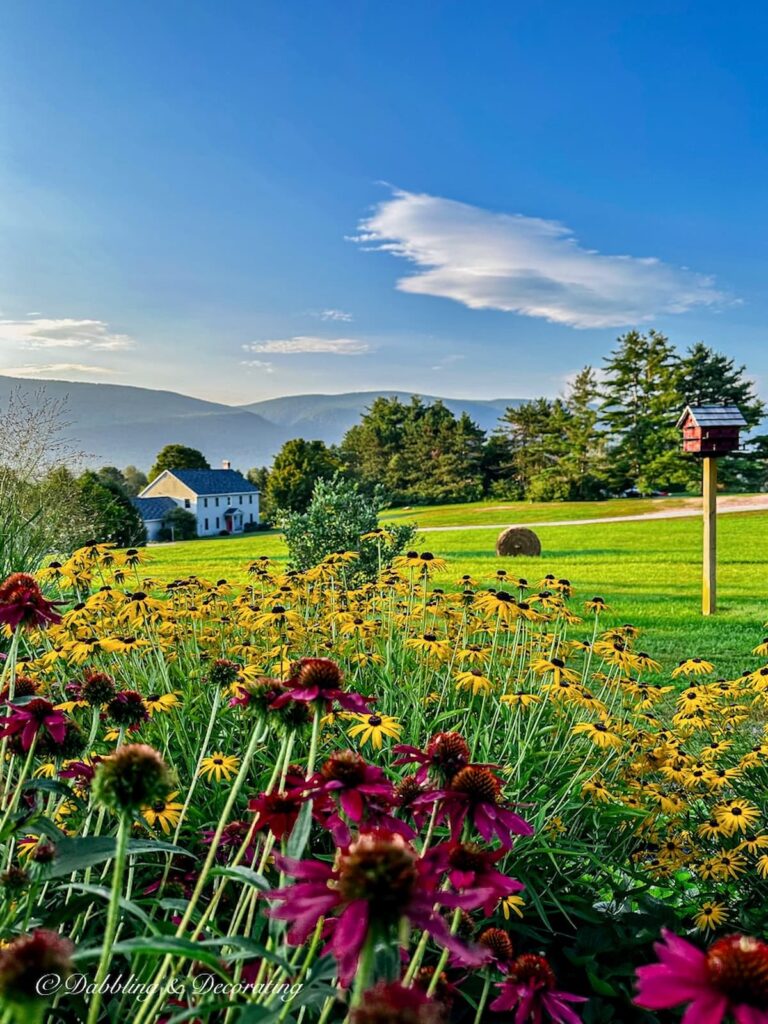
x: 707, y: 377
x: 639, y: 408
x: 537, y: 446
x: 586, y: 461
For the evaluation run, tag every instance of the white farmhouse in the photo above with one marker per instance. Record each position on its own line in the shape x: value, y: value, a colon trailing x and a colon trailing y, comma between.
x: 221, y: 500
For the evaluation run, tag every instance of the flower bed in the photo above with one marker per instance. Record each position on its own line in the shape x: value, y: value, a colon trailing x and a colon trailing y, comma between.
x: 313, y: 798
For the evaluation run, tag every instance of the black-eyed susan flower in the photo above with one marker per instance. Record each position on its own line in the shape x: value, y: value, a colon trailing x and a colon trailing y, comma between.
x: 521, y: 699
x: 710, y: 916
x: 164, y: 813
x: 597, y: 790
x: 373, y: 728
x: 162, y: 702
x: 693, y: 667
x: 555, y: 666
x: 474, y: 680
x: 728, y: 864
x: 219, y: 766
x: 599, y: 733
x: 736, y: 815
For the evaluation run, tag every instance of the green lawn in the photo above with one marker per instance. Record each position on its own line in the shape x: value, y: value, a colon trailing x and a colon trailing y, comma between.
x: 649, y: 572
x: 481, y: 513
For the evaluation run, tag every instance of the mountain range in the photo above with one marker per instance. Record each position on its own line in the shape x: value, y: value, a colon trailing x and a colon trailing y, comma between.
x: 119, y: 425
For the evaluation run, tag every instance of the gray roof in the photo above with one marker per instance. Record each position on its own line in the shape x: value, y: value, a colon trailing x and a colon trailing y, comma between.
x: 214, y: 481
x: 713, y: 416
x: 153, y: 508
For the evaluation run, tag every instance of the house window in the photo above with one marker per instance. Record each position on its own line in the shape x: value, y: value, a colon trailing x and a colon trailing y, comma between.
x: 206, y: 524
x: 217, y: 521
x: 187, y: 503
x: 250, y: 499
x: 205, y: 502
x: 241, y: 499
x: 251, y: 517
x: 217, y: 505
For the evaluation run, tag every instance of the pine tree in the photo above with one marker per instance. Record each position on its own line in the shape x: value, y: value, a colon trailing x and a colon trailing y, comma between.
x: 587, y: 463
x: 709, y: 377
x: 639, y: 409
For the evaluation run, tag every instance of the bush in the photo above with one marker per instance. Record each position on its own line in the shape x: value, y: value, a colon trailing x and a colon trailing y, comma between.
x: 339, y: 517
x: 178, y: 524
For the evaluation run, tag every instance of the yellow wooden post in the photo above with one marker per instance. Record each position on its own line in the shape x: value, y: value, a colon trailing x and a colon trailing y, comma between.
x: 709, y: 579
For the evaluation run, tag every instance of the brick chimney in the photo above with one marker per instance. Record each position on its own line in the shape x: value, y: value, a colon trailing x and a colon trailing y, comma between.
x: 226, y: 464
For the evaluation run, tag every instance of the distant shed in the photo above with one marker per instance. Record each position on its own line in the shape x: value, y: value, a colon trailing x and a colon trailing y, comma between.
x: 711, y: 430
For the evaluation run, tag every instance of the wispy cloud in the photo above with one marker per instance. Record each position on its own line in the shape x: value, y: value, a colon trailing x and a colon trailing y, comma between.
x: 258, y: 364
x: 47, y: 332
x: 509, y: 262
x: 51, y: 369
x: 335, y: 314
x: 310, y: 344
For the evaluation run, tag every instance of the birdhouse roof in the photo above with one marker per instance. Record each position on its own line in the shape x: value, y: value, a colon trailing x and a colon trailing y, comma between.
x: 713, y: 416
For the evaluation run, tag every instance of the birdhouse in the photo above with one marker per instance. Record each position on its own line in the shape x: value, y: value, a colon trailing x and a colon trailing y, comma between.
x: 711, y: 430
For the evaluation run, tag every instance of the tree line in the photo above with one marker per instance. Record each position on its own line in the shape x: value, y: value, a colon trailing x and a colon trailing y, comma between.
x: 613, y: 430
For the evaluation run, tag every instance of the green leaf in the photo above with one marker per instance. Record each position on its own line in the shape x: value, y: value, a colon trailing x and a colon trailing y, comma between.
x: 246, y: 875
x: 262, y: 1015
x: 76, y: 854
x: 54, y: 786
x: 127, y: 905
x: 166, y: 944
x: 299, y: 837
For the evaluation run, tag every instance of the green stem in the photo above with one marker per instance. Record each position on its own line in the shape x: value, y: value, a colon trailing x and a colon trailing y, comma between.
x: 113, y: 915
x: 483, y: 1000
x: 364, y: 970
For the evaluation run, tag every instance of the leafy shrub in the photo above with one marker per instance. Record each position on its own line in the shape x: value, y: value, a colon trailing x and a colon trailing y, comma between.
x: 178, y: 524
x: 341, y: 518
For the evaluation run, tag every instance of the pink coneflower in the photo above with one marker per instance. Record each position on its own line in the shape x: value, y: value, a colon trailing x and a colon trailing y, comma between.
x: 318, y: 680
x: 276, y: 811
x: 22, y: 603
x: 529, y: 991
x: 474, y: 794
x: 35, y: 717
x: 446, y: 754
x: 471, y: 867
x: 127, y: 708
x: 352, y: 781
x: 389, y: 1002
x: 375, y: 882
x: 731, y: 977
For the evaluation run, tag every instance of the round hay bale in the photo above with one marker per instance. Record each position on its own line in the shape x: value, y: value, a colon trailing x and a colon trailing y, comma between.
x: 516, y: 541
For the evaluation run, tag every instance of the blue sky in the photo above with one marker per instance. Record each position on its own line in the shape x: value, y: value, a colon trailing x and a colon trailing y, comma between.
x: 251, y: 199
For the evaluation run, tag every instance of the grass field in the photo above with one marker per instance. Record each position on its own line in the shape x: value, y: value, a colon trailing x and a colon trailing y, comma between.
x: 649, y: 572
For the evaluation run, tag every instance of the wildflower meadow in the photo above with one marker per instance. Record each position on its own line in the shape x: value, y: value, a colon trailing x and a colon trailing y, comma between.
x: 331, y: 795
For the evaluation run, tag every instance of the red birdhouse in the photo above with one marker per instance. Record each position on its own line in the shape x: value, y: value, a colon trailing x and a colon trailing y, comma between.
x: 711, y: 430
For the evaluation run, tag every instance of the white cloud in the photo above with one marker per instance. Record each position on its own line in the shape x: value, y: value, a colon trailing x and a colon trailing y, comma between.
x: 46, y: 332
x: 449, y: 360
x: 335, y: 314
x: 527, y: 265
x: 50, y: 369
x: 310, y: 344
x: 258, y: 364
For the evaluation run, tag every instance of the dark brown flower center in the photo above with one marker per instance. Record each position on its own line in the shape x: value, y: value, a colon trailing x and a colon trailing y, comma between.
x: 477, y: 783
x: 738, y: 967
x: 380, y: 869
x: 498, y: 942
x: 345, y: 766
x: 532, y: 968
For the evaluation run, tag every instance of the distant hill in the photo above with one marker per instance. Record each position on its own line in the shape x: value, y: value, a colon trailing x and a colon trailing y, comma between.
x: 114, y: 424
x: 329, y: 417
